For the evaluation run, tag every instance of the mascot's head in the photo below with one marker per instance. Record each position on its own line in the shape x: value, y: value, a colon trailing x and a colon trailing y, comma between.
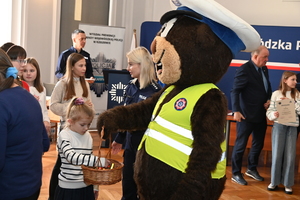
x: 198, y: 41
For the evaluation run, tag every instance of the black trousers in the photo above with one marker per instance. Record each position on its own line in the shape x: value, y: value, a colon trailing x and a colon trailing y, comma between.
x: 129, y: 187
x: 244, y: 129
x: 54, y: 178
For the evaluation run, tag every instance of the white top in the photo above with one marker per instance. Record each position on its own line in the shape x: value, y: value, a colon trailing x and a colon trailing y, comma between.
x: 57, y: 103
x: 74, y: 150
x: 276, y: 96
x: 42, y: 101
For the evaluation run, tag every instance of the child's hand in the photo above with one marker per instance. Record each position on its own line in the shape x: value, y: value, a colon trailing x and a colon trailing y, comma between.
x: 276, y: 114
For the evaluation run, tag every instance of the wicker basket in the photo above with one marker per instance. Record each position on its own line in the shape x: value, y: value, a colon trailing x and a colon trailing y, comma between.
x: 96, y: 176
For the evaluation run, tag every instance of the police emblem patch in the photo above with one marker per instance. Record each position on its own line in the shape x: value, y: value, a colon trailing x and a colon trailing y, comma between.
x: 180, y: 104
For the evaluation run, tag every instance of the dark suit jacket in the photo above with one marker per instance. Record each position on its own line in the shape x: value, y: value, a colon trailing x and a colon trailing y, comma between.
x: 248, y: 94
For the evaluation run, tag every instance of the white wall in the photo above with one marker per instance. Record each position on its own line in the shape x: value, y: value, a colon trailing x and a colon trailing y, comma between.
x: 33, y: 24
x: 132, y: 13
x: 265, y: 12
x: 42, y: 18
x: 5, y: 13
x: 41, y: 33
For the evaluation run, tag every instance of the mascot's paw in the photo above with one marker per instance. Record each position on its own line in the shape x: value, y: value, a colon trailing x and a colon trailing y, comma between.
x: 105, y: 127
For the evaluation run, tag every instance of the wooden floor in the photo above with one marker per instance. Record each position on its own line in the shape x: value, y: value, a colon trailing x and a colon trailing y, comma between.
x: 253, y: 191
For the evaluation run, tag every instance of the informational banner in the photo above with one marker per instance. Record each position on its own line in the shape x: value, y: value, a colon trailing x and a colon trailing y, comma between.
x: 105, y: 45
x: 283, y: 43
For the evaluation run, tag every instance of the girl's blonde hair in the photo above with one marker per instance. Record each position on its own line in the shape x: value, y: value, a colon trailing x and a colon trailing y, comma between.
x: 77, y: 107
x: 283, y: 86
x: 141, y: 55
x: 37, y: 82
x: 69, y: 77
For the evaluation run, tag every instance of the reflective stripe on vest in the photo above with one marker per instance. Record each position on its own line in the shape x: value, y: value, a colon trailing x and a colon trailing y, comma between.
x: 169, y: 137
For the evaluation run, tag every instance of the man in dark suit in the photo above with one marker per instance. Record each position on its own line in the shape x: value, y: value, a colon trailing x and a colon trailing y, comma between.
x: 250, y: 98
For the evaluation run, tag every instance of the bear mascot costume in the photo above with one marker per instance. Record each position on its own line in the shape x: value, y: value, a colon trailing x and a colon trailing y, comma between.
x: 182, y: 155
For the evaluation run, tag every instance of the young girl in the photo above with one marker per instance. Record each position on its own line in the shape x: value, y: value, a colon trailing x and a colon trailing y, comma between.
x: 32, y: 76
x: 71, y: 84
x: 75, y: 147
x: 17, y: 55
x: 284, y: 135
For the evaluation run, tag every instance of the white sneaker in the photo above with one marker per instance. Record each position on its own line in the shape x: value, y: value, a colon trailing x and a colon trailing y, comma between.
x: 288, y: 190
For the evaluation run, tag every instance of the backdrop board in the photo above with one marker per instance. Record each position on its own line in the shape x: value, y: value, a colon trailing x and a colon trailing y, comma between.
x: 105, y: 45
x: 117, y: 81
x: 148, y: 32
x: 282, y: 42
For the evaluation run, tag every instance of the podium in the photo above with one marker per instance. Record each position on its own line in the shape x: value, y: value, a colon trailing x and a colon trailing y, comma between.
x: 116, y: 81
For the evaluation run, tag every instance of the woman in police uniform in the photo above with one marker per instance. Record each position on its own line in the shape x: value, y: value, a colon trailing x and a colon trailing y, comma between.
x: 142, y: 86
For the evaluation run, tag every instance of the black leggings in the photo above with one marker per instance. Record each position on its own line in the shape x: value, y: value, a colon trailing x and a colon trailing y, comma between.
x: 54, y: 178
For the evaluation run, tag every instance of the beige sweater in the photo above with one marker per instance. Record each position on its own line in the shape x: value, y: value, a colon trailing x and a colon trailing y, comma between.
x: 57, y: 103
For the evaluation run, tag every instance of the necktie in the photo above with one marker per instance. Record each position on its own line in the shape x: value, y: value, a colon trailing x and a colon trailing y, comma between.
x: 260, y: 72
x: 264, y: 80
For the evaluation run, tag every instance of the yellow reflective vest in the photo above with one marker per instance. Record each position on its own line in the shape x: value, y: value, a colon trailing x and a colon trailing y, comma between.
x: 169, y: 137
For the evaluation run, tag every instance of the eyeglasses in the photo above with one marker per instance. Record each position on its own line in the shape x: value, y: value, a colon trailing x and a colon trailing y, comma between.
x: 21, y: 61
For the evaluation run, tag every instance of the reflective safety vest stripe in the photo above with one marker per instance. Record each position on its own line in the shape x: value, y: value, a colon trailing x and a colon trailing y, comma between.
x: 169, y: 137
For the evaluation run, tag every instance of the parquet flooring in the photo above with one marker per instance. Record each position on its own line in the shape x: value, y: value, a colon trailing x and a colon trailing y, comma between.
x: 253, y: 191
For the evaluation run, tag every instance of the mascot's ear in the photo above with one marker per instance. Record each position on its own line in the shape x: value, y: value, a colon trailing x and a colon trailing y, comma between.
x: 237, y: 34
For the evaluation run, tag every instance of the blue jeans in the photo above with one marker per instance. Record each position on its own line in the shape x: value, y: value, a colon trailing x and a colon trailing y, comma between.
x: 283, y: 154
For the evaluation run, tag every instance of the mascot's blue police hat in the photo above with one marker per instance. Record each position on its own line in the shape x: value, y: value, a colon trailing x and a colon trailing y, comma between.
x: 237, y: 34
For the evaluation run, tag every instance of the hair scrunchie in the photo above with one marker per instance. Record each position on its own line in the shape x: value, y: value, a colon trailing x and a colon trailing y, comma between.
x: 11, y: 71
x: 79, y: 101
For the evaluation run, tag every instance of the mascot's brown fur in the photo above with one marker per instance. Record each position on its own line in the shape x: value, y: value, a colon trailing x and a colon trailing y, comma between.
x: 190, y: 54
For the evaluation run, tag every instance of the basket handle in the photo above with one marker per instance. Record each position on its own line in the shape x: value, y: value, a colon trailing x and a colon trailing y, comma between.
x: 108, y: 155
